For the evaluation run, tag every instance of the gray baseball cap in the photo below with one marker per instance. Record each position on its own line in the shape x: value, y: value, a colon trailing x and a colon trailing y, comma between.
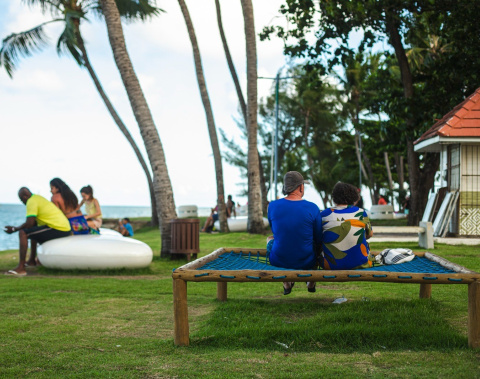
x: 291, y: 181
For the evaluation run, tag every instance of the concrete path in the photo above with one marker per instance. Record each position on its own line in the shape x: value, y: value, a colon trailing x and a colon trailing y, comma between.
x: 414, y: 238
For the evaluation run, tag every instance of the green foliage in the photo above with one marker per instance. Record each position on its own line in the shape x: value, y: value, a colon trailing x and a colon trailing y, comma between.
x: 431, y: 64
x: 132, y: 10
x: 312, y: 138
x: 20, y: 45
x: 24, y: 44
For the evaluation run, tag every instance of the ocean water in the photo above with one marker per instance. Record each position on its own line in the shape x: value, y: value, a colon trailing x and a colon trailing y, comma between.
x: 14, y: 214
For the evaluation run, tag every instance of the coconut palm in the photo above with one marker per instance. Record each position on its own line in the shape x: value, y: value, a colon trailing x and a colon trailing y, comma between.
x: 241, y: 99
x: 255, y: 221
x: 71, y: 13
x: 148, y: 130
x: 212, y: 130
x: 356, y: 70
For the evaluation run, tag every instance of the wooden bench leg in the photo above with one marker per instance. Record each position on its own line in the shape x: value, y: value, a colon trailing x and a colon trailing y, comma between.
x: 425, y: 291
x: 474, y: 315
x: 222, y: 291
x: 180, y: 312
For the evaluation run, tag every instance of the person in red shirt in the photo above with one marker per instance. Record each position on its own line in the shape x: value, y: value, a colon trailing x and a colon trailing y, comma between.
x: 382, y: 201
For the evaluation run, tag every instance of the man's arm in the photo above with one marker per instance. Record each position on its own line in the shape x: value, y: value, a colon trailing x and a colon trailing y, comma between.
x: 318, y: 229
x: 31, y: 221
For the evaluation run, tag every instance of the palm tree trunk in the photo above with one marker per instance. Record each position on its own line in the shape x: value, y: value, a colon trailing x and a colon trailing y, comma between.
x: 263, y: 185
x: 389, y: 171
x: 241, y: 100
x: 420, y: 180
x: 212, y: 130
x: 255, y: 219
x: 371, y: 178
x: 310, y: 162
x: 399, y: 167
x: 120, y: 125
x: 231, y: 66
x: 148, y: 130
x: 362, y: 166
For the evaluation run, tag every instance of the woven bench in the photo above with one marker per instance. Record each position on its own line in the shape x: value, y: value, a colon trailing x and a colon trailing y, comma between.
x: 251, y: 265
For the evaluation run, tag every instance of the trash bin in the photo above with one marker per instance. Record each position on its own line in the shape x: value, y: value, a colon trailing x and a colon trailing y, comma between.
x: 185, y: 237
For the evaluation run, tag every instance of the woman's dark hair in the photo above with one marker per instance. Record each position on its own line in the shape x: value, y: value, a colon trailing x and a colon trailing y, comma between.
x: 127, y: 219
x: 88, y: 190
x: 69, y: 198
x: 345, y: 194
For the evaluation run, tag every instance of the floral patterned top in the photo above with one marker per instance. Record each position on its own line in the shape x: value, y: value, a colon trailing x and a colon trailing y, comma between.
x: 344, y: 241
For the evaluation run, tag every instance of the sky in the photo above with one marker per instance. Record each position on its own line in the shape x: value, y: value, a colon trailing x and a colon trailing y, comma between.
x: 54, y: 124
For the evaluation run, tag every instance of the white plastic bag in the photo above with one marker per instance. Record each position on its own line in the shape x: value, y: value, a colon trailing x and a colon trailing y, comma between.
x: 394, y: 256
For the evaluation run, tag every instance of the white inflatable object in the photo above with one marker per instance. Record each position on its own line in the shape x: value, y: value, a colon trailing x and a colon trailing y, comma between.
x: 238, y: 224
x: 94, y: 252
x: 110, y: 232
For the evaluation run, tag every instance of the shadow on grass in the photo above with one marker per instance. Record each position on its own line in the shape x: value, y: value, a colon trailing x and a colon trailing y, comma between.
x: 118, y: 272
x: 300, y: 325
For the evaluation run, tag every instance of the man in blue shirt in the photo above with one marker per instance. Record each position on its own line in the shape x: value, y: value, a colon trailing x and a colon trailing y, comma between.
x: 297, y: 229
x: 125, y: 227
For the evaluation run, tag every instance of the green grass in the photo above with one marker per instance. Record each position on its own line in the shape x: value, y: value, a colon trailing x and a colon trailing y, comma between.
x: 394, y: 222
x: 119, y: 324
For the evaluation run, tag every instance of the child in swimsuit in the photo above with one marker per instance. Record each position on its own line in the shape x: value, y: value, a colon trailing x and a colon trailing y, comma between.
x: 92, y: 208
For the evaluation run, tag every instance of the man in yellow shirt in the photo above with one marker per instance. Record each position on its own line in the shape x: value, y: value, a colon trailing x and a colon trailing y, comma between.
x: 44, y: 222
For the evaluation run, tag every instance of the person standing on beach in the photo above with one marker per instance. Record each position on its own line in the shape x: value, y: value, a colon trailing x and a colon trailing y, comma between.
x: 230, y: 205
x: 44, y: 222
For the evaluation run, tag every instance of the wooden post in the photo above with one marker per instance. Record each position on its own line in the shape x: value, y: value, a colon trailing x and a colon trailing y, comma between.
x: 222, y: 291
x: 474, y: 315
x: 180, y: 312
x: 425, y: 291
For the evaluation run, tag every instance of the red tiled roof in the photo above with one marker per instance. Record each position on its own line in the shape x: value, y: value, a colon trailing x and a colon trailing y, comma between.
x: 461, y: 121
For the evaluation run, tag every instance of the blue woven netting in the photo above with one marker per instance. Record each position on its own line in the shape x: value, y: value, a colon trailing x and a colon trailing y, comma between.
x: 255, y: 261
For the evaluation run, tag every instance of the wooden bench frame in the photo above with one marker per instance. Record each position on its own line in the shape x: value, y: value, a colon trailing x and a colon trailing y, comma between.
x: 189, y: 272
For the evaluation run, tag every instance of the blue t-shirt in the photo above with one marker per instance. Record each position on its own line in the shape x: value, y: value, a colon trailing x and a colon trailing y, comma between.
x: 129, y: 228
x: 297, y: 228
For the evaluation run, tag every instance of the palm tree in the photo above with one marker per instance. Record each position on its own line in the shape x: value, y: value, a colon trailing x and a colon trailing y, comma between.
x: 70, y: 14
x: 212, y: 130
x: 241, y: 99
x: 255, y: 221
x: 148, y: 130
x: 356, y: 71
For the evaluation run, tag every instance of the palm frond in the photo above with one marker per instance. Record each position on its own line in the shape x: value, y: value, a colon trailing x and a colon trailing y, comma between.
x: 54, y: 7
x: 138, y: 9
x: 20, y: 45
x: 129, y: 9
x: 67, y: 42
